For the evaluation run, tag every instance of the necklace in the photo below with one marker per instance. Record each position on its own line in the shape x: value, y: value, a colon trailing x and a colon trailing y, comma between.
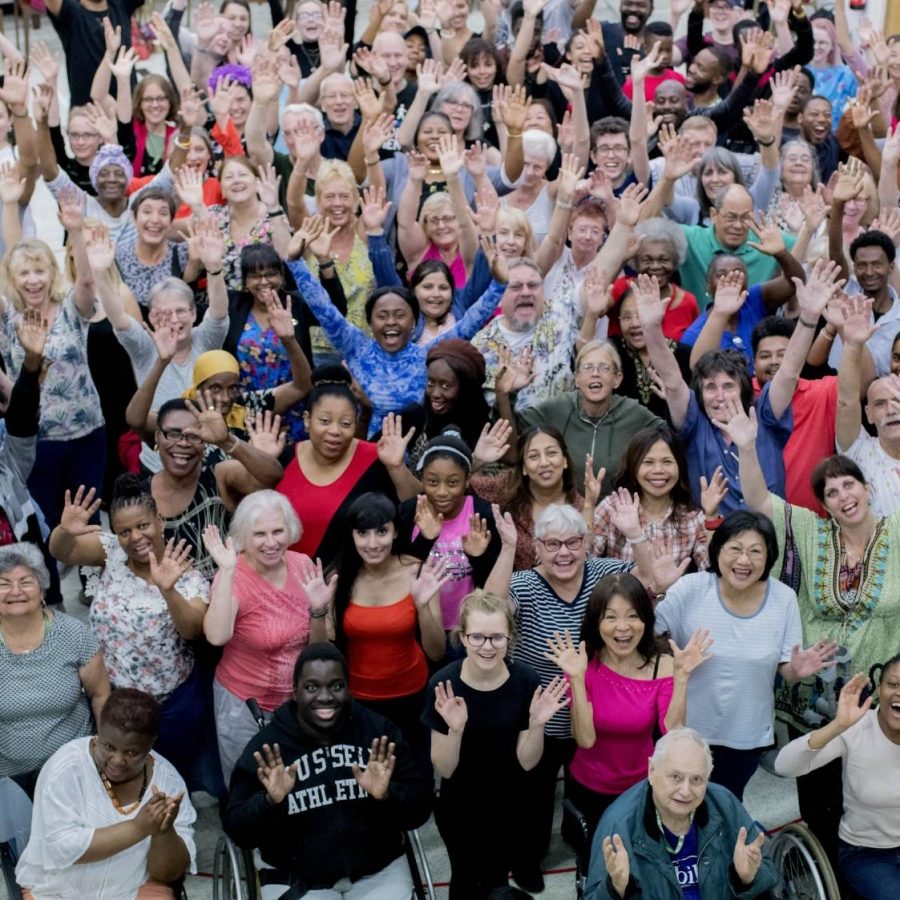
x: 45, y: 621
x: 674, y: 851
x: 110, y: 790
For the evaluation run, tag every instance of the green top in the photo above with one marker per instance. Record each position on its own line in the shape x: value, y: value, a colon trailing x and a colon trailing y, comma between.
x: 702, y: 246
x: 866, y: 622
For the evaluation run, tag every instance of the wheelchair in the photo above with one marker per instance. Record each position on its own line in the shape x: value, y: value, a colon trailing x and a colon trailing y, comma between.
x: 235, y: 876
x: 234, y: 870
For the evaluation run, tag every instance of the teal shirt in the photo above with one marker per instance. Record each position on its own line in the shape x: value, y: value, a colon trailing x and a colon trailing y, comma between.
x: 703, y: 246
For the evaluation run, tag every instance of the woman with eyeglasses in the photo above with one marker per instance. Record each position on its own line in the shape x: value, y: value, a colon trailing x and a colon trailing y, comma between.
x: 487, y: 719
x: 550, y: 598
x: 755, y: 623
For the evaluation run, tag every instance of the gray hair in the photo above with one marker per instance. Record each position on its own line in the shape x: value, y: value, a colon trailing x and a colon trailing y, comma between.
x: 539, y: 143
x: 475, y: 130
x: 560, y: 518
x: 803, y: 145
x: 681, y: 735
x: 257, y: 504
x: 327, y: 80
x: 303, y: 109
x: 716, y: 158
x: 27, y: 555
x: 171, y: 285
x: 660, y: 229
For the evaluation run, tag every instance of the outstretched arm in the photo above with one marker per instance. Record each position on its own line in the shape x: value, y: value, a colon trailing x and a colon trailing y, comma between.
x: 858, y: 328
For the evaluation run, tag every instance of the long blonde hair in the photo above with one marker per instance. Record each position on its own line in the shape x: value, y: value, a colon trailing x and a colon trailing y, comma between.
x: 34, y: 251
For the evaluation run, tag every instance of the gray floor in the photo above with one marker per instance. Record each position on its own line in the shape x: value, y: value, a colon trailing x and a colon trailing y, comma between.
x: 772, y: 801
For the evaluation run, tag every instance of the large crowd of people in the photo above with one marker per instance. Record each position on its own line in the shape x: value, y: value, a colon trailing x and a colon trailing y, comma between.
x: 430, y: 414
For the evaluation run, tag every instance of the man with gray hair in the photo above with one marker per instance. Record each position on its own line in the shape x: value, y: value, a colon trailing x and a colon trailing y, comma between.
x: 676, y: 835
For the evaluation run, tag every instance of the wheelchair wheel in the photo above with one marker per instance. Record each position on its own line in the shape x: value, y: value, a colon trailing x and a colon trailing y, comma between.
x: 234, y: 876
x: 423, y: 884
x: 804, y: 871
x: 8, y: 864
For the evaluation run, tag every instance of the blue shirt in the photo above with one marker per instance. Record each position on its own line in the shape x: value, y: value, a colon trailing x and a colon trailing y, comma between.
x: 749, y: 316
x: 685, y: 861
x: 706, y: 449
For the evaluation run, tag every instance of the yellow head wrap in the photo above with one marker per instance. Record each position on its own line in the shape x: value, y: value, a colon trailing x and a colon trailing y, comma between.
x: 217, y: 362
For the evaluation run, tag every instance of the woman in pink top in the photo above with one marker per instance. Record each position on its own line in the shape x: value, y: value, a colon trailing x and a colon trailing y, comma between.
x: 624, y: 691
x: 260, y: 613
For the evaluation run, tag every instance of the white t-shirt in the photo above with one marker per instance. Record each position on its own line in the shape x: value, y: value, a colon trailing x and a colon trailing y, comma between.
x: 730, y: 700
x: 70, y: 803
x: 879, y: 469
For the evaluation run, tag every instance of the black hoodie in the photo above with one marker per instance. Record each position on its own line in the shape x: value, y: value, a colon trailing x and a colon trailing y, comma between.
x: 327, y: 828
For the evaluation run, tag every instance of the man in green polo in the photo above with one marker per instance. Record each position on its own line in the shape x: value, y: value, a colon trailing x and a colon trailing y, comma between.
x: 728, y: 232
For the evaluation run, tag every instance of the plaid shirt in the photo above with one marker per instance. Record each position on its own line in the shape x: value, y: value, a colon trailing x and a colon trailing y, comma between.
x: 681, y: 535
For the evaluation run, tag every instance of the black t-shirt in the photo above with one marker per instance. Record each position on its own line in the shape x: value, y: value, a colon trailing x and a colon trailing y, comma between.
x: 80, y: 31
x: 487, y: 755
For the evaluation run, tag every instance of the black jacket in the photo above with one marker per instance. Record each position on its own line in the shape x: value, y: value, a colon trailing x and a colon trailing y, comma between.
x: 327, y: 828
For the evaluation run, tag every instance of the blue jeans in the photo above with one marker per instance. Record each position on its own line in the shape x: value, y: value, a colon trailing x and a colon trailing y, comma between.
x: 873, y: 874
x: 734, y: 768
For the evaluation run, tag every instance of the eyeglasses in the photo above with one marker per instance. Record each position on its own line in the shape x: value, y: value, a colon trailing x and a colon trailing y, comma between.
x: 731, y: 218
x: 805, y: 158
x: 441, y: 220
x: 498, y: 641
x: 149, y: 100
x: 176, y: 436
x: 268, y: 274
x: 83, y: 136
x: 310, y: 17
x: 554, y: 546
x: 597, y: 369
x: 459, y: 104
x: 614, y: 150
x: 755, y: 554
x: 23, y: 584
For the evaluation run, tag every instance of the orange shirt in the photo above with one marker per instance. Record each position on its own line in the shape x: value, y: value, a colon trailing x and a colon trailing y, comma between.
x: 384, y: 656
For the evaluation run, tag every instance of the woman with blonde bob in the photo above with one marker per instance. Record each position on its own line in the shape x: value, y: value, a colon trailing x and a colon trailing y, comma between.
x: 260, y: 613
x: 71, y: 447
x: 487, y: 729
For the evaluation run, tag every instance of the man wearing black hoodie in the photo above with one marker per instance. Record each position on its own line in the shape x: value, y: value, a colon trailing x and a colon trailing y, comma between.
x: 332, y: 819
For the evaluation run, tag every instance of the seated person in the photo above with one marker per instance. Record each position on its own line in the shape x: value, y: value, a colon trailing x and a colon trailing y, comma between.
x: 670, y: 816
x: 334, y: 816
x: 110, y: 818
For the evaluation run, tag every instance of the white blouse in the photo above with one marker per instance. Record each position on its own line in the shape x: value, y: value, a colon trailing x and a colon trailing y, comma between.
x: 70, y: 802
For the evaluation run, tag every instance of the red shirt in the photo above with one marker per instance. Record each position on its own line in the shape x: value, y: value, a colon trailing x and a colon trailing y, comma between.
x: 677, y: 319
x: 651, y: 83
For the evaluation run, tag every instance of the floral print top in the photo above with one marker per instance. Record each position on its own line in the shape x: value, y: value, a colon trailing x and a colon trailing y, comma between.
x: 141, y: 646
x: 357, y: 278
x: 260, y: 233
x: 70, y: 404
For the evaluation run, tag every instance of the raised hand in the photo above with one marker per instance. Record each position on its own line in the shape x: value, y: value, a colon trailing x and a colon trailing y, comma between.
x: 763, y: 119
x: 477, y: 539
x: 505, y: 526
x: 547, y: 702
x: 770, y: 240
x: 190, y: 107
x: 417, y: 164
x: 428, y: 579
x: 629, y: 204
x: 493, y: 442
x: 694, y: 654
x: 563, y: 652
x: 596, y: 292
x: 713, y: 492
x: 748, y: 857
x: 165, y: 336
x: 266, y: 82
x: 640, y: 68
x: 427, y: 75
x: 625, y: 513
x: 163, y: 33
x: 393, y: 442
x: 730, y: 295
x: 820, y: 285
x: 112, y: 38
x: 367, y: 61
x: 593, y: 484
x: 368, y: 101
x: 102, y: 122
x: 71, y: 209
x: 277, y: 778
x: 849, y: 708
x: 741, y: 427
x: 454, y: 73
x: 76, y: 515
x: 267, y: 187
x: 651, y: 307
x: 375, y: 208
x: 850, y: 181
x: 858, y: 324
x: 210, y: 426
x: 615, y: 857
x: 449, y: 707
x: 812, y: 660
x: 101, y: 251
x: 449, y: 155
x: 784, y: 88
x: 222, y: 552
x: 475, y: 159
x: 12, y: 186
x: 511, y: 103
x: 176, y: 560
x: 498, y: 263
x: 487, y: 205
x: 266, y: 434
x: 320, y: 245
x: 426, y: 519
x: 43, y: 98
x: 189, y: 187
x: 126, y: 60
x: 814, y: 207
x: 310, y: 228
x: 319, y: 589
x: 14, y: 91
x: 376, y: 777
x: 514, y: 372
x: 32, y: 330
x: 666, y: 571
x: 281, y: 319
x: 46, y: 61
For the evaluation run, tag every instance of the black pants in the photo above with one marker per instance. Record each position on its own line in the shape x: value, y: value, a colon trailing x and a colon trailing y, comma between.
x: 734, y: 768
x: 405, y: 713
x: 592, y: 806
x: 534, y: 813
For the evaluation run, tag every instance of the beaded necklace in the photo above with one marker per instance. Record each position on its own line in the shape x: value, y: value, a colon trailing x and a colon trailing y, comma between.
x: 110, y: 790
x: 674, y: 851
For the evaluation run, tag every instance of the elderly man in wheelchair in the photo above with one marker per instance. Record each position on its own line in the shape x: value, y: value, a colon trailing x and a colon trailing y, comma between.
x: 677, y: 836
x: 326, y: 792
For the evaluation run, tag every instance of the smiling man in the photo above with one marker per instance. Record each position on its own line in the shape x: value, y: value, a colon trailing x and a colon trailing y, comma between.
x: 326, y: 789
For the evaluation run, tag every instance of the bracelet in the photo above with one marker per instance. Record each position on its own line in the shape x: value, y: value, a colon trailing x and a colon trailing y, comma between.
x: 766, y: 143
x: 233, y: 447
x: 828, y: 335
x: 275, y: 214
x: 514, y: 134
x: 318, y: 615
x: 806, y: 324
x: 183, y: 145
x: 384, y: 84
x: 562, y: 205
x: 24, y: 115
x: 326, y: 264
x: 373, y: 162
x: 638, y: 540
x: 213, y: 274
x: 713, y: 524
